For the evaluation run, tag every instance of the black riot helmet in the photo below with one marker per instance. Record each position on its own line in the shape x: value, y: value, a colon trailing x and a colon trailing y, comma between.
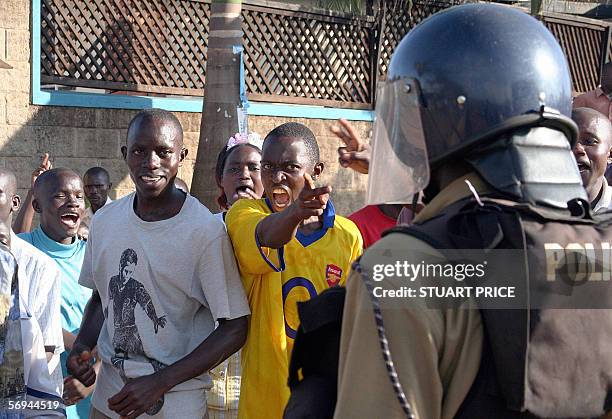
x: 459, y: 79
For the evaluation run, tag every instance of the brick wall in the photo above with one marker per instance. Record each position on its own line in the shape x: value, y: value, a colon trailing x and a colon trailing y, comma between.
x: 80, y: 138
x: 15, y: 84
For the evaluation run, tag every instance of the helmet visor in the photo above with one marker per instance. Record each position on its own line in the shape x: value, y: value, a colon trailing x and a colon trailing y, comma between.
x: 399, y: 166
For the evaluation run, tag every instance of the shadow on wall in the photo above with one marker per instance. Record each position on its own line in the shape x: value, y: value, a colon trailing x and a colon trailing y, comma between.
x: 80, y: 138
x: 348, y: 193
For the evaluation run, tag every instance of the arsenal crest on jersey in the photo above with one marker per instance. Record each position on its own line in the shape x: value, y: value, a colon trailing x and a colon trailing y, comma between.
x: 333, y: 275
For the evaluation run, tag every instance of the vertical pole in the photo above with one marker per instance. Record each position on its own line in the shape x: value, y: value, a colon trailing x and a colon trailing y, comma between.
x: 221, y: 95
x: 604, y: 53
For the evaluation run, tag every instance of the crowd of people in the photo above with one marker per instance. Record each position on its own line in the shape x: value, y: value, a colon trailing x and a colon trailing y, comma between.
x: 154, y: 305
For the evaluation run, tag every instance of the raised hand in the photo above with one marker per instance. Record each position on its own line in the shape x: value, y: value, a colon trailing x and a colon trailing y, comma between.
x: 45, y: 165
x: 356, y: 152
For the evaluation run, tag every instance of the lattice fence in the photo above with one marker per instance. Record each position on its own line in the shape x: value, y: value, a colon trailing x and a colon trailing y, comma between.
x: 292, y: 54
x: 159, y: 46
x: 148, y: 46
x: 300, y: 57
x: 397, y: 23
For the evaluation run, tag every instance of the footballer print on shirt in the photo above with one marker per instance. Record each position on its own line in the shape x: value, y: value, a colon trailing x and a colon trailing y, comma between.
x: 126, y: 292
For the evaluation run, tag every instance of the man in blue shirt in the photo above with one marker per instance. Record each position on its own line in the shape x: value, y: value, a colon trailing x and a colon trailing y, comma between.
x: 59, y: 199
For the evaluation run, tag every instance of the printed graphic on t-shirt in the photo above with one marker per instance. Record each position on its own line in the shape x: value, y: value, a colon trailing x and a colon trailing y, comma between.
x: 126, y: 292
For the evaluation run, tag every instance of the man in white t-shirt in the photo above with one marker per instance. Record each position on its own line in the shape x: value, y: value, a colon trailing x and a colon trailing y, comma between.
x: 39, y: 308
x: 163, y: 271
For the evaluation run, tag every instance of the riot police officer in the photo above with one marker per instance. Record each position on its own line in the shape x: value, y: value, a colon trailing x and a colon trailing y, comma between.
x: 476, y: 112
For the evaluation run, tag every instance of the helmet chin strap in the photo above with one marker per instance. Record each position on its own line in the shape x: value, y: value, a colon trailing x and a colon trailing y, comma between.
x: 533, y: 165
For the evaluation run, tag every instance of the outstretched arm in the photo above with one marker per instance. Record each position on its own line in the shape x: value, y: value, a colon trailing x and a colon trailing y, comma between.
x: 144, y: 299
x: 139, y: 394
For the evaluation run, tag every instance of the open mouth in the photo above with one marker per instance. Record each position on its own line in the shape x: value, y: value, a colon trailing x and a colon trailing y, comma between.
x: 280, y: 197
x: 583, y: 167
x: 244, y: 191
x: 150, y: 180
x: 70, y: 220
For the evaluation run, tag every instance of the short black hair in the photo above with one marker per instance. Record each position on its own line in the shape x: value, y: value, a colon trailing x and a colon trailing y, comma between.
x: 49, y: 175
x: 301, y: 131
x: 156, y: 114
x: 128, y: 256
x: 94, y: 171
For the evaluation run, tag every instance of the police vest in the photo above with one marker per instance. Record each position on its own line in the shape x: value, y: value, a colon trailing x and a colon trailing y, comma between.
x: 532, y: 364
x: 315, y: 357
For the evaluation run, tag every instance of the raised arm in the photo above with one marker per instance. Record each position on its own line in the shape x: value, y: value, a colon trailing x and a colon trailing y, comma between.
x: 23, y: 220
x: 144, y: 299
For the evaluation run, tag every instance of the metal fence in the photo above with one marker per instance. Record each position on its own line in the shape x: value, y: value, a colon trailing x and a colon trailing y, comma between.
x: 292, y: 54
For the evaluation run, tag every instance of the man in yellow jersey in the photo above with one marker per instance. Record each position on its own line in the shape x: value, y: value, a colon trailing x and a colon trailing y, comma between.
x: 290, y: 247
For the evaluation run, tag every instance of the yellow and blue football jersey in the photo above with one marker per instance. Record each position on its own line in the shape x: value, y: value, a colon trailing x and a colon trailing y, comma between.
x: 274, y: 281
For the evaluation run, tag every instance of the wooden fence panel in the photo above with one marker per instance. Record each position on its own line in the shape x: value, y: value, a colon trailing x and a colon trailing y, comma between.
x: 585, y: 43
x: 397, y: 23
x: 153, y: 45
x: 292, y: 54
x: 306, y: 58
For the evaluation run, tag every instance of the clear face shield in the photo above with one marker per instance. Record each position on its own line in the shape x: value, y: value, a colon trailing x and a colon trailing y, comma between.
x: 399, y: 166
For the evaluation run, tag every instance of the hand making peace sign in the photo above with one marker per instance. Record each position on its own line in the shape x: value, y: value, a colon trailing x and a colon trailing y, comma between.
x: 356, y: 153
